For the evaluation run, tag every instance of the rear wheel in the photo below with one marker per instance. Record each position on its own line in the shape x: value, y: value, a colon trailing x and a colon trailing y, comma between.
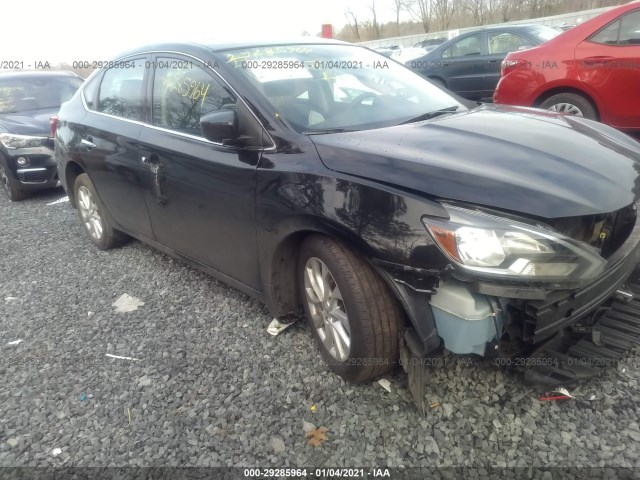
x: 92, y: 215
x: 570, y: 104
x: 10, y: 185
x: 352, y: 315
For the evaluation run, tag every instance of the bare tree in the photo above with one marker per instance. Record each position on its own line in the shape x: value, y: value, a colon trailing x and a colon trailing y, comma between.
x: 353, y: 23
x: 443, y: 11
x: 399, y: 6
x: 477, y: 9
x: 420, y: 10
x: 375, y: 26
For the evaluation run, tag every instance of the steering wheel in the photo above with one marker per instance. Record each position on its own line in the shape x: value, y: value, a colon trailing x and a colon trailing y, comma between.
x: 356, y: 102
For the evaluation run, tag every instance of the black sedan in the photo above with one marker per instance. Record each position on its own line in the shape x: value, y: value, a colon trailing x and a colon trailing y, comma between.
x: 469, y: 64
x: 319, y: 176
x: 27, y: 102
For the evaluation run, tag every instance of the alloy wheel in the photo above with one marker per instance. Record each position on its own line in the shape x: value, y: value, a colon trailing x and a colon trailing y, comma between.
x: 567, y: 108
x: 327, y: 309
x: 89, y: 213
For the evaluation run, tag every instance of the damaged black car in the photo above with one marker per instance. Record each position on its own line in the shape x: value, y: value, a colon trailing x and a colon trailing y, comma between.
x: 322, y: 178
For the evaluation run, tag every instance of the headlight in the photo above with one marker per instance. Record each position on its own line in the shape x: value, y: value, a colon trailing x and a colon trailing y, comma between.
x: 11, y: 141
x: 492, y: 245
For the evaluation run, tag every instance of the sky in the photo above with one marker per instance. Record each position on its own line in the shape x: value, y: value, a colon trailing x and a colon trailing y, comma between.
x: 92, y: 30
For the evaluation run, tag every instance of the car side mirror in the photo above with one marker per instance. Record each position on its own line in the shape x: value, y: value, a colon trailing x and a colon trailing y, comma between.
x: 220, y: 126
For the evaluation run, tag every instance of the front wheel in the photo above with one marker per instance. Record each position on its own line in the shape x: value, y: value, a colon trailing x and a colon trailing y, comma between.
x: 352, y: 315
x: 570, y: 104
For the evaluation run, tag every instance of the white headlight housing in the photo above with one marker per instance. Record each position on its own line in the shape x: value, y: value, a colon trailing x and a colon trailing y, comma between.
x: 11, y: 141
x: 496, y: 246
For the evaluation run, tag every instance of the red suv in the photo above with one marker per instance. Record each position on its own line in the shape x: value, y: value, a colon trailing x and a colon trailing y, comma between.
x: 592, y: 70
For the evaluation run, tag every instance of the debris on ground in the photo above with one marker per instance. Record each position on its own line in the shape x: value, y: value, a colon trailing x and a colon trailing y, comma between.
x: 557, y: 394
x: 386, y: 384
x: 276, y: 327
x: 60, y: 200
x: 434, y: 405
x: 317, y: 436
x: 126, y: 303
x: 56, y: 451
x: 307, y: 427
x: 277, y: 445
x: 120, y: 357
x: 15, y: 342
x: 10, y: 299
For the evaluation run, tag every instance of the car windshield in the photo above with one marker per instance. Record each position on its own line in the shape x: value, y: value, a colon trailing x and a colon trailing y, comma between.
x: 19, y: 94
x: 325, y: 88
x: 544, y: 34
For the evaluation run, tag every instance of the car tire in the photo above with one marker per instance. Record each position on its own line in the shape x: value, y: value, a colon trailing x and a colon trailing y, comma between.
x: 11, y: 185
x: 92, y: 214
x: 571, y: 104
x: 357, y: 294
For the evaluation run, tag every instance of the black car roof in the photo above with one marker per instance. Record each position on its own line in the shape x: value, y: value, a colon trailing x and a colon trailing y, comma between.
x: 219, y: 47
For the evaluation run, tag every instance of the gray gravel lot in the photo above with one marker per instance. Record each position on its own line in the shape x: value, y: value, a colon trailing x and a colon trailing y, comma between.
x: 211, y: 387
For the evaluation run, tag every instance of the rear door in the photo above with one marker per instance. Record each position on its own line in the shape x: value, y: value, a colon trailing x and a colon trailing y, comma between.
x: 609, y: 64
x: 202, y: 203
x: 108, y: 142
x: 463, y: 65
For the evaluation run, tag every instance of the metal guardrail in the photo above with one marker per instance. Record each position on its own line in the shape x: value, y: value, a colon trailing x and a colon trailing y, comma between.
x: 555, y: 20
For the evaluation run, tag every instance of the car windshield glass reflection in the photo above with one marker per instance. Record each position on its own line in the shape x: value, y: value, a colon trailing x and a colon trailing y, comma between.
x: 36, y: 93
x: 330, y: 88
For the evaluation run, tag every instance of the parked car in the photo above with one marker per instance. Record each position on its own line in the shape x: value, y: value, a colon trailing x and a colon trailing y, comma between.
x: 387, y: 51
x: 400, y: 220
x: 27, y: 101
x: 431, y: 43
x: 469, y: 64
x: 592, y: 70
x: 404, y: 55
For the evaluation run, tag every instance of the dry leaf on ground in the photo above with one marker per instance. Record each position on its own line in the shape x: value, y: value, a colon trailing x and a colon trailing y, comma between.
x: 317, y: 436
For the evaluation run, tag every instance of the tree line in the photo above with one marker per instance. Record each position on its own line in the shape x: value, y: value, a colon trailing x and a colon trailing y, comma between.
x: 423, y: 16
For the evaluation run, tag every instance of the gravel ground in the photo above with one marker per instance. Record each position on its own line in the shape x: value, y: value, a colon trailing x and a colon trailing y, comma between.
x: 211, y: 387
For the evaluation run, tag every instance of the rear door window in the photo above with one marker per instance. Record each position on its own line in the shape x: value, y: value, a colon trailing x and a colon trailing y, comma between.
x: 121, y: 91
x: 468, y: 46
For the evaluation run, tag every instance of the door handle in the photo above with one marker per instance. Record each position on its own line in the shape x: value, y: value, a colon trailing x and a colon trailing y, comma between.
x: 445, y: 64
x: 598, y: 60
x: 494, y: 61
x: 157, y: 169
x: 87, y: 143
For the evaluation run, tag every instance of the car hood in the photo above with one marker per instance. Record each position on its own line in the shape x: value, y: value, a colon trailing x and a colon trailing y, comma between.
x: 517, y: 159
x: 34, y: 122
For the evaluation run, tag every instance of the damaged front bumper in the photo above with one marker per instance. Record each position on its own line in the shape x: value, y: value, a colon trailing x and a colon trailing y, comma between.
x: 558, y: 325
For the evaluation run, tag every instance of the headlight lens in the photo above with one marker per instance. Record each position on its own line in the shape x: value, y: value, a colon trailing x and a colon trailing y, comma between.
x: 493, y: 245
x: 11, y: 141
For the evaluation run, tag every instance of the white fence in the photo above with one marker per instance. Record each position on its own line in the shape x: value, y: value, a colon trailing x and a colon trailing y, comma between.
x: 556, y: 20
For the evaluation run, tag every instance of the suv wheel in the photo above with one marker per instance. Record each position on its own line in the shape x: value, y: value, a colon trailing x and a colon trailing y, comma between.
x: 92, y: 215
x: 571, y: 104
x: 351, y: 313
x: 11, y: 186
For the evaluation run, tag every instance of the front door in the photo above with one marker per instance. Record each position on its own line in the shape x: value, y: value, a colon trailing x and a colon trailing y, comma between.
x: 202, y: 203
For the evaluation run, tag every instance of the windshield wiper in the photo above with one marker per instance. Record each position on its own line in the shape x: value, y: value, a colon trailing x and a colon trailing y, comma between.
x: 328, y: 130
x: 430, y: 115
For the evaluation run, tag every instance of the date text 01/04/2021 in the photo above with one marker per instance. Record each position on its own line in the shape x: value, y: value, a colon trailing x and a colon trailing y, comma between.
x: 316, y: 473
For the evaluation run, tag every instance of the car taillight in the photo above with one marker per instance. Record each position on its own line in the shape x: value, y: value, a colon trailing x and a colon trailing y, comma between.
x: 53, y: 125
x: 509, y: 66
